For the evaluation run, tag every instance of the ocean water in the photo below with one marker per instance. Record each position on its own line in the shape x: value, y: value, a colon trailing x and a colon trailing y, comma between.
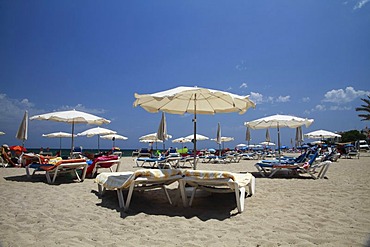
x: 65, y: 152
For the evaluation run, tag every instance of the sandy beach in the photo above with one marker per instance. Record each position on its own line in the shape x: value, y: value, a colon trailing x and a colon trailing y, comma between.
x: 283, y: 212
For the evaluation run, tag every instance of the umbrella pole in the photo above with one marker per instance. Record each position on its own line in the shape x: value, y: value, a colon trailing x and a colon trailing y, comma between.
x: 60, y: 146
x: 73, y: 129
x: 98, y: 145
x: 278, y: 129
x: 195, y: 132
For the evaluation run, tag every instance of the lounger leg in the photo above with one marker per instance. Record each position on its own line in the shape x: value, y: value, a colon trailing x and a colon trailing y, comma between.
x: 118, y: 165
x: 240, y: 198
x: 324, y: 170
x: 47, y: 174
x: 183, y: 193
x: 273, y: 172
x: 55, y: 174
x: 252, y: 186
x: 260, y: 170
x: 78, y: 177
x: 121, y: 201
x: 128, y: 200
x: 193, y: 195
x: 167, y: 195
x: 84, y: 172
x: 28, y: 171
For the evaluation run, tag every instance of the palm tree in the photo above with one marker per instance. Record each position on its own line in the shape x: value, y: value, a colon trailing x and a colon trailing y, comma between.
x: 365, y: 108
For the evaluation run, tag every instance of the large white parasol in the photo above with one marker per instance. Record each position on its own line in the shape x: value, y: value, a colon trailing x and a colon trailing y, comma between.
x: 72, y: 117
x: 181, y: 100
x: 114, y: 137
x: 98, y: 131
x: 321, y: 134
x: 278, y: 121
x: 59, y: 135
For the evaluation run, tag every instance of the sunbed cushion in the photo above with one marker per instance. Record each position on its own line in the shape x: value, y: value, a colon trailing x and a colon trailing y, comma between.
x: 243, y: 179
x: 122, y: 180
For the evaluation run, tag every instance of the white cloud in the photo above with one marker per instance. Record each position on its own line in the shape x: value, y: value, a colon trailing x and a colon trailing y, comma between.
x: 320, y: 108
x: 306, y: 99
x: 81, y: 107
x: 11, y: 109
x: 283, y: 99
x: 360, y: 4
x: 243, y: 85
x: 338, y: 108
x: 341, y: 96
x: 241, y: 66
x: 256, y: 97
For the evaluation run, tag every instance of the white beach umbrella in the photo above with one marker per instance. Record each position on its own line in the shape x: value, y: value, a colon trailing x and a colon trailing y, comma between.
x: 267, y: 139
x: 181, y: 100
x: 241, y: 145
x: 198, y: 137
x: 321, y: 134
x: 162, y: 130
x: 97, y: 131
x: 181, y: 140
x: 268, y: 143
x: 224, y: 139
x: 22, y: 132
x: 299, y: 136
x: 153, y: 138
x: 59, y: 135
x: 72, y: 117
x: 114, y: 137
x: 278, y: 121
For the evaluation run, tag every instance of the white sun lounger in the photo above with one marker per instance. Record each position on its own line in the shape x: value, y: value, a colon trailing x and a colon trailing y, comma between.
x: 142, y: 180
x: 218, y: 182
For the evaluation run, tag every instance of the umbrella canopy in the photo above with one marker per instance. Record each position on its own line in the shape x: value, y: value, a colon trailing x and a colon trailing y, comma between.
x: 18, y: 148
x: 113, y: 137
x: 321, y: 134
x: 2, y: 133
x: 278, y: 121
x: 181, y: 140
x: 153, y: 138
x: 268, y: 143
x: 22, y: 132
x: 181, y: 100
x: 162, y: 130
x: 72, y: 117
x: 248, y: 135
x: 198, y: 137
x: 268, y: 139
x: 97, y: 131
x: 59, y: 135
x: 225, y: 139
x: 299, y: 136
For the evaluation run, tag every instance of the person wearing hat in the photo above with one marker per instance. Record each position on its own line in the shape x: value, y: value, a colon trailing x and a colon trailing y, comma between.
x: 6, y: 154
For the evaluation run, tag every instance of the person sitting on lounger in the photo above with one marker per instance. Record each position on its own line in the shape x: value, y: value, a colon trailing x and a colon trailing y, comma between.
x: 7, y: 155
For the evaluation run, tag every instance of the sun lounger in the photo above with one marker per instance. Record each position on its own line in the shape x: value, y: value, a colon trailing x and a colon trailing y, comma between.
x: 57, y: 167
x: 142, y: 180
x: 311, y: 167
x: 152, y: 161
x: 218, y: 182
x: 103, y: 162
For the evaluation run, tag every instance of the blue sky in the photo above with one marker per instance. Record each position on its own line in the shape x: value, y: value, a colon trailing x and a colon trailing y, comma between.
x: 305, y: 58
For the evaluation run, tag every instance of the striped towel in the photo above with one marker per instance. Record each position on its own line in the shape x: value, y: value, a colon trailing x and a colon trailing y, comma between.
x: 123, y: 180
x: 243, y: 179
